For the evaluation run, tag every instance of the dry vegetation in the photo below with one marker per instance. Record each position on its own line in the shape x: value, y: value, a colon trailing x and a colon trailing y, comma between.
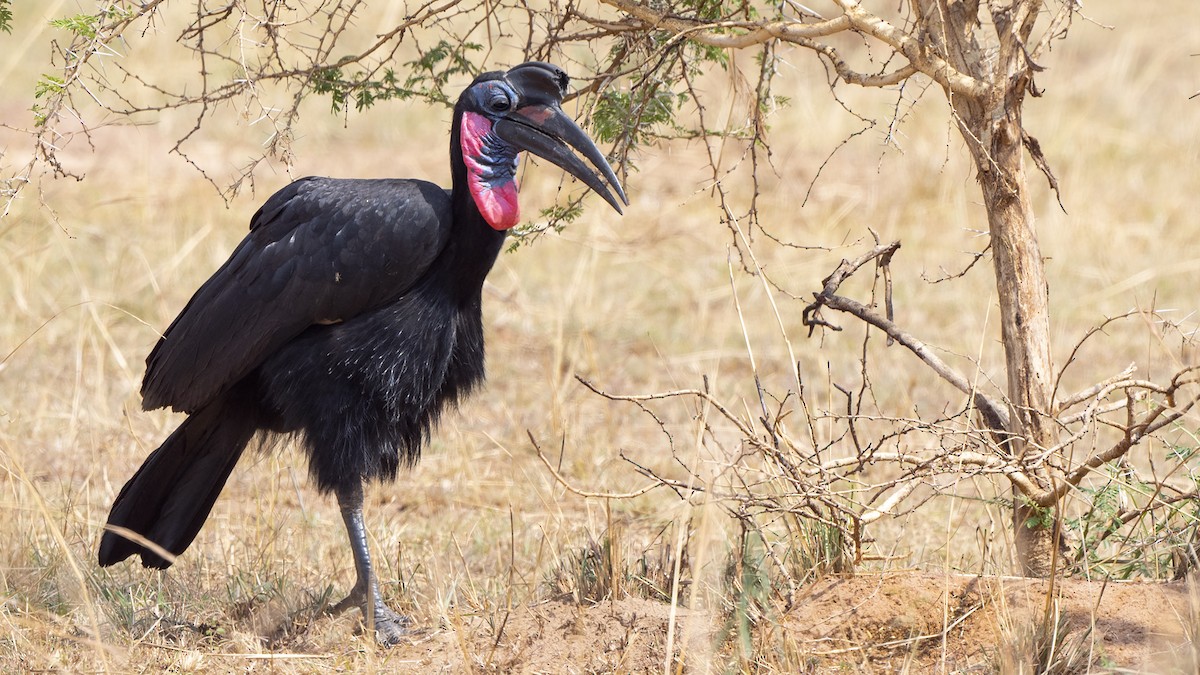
x: 497, y: 561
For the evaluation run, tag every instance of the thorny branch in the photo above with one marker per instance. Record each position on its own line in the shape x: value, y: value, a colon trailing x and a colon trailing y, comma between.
x: 765, y: 472
x: 1167, y: 411
x: 741, y: 34
x: 265, y: 59
x: 994, y: 413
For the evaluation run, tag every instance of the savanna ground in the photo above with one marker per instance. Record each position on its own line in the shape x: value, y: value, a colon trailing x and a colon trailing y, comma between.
x: 501, y: 566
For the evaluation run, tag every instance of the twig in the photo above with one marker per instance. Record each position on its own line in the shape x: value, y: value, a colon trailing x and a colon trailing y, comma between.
x: 253, y: 656
x: 741, y: 34
x: 907, y: 641
x: 827, y: 297
x: 583, y: 493
x: 1095, y: 390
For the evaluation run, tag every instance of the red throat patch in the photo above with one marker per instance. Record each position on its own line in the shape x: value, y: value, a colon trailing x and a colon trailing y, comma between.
x: 497, y: 202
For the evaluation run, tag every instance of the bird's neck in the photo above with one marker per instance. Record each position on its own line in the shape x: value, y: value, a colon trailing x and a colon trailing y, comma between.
x: 474, y: 246
x: 474, y: 243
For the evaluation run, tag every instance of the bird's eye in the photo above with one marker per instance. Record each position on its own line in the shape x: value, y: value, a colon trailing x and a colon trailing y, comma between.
x: 499, y: 102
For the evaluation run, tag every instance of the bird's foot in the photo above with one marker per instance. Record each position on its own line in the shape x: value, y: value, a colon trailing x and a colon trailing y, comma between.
x: 391, y: 627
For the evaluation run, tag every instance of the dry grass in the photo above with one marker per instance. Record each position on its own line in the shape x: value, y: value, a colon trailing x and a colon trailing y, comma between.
x: 636, y: 304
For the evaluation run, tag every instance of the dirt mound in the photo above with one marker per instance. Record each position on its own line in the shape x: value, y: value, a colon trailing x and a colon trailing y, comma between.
x: 867, y: 623
x: 628, y: 635
x: 966, y: 621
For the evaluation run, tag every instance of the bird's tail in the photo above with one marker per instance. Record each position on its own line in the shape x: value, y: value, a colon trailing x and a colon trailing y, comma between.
x: 170, y: 496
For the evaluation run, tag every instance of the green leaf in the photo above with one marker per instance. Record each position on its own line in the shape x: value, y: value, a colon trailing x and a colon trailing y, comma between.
x: 427, y: 80
x: 1040, y: 518
x: 48, y: 85
x: 1181, y: 452
x: 717, y: 55
x: 6, y: 16
x: 632, y: 116
x: 358, y: 88
x: 430, y: 73
x: 556, y: 218
x: 83, y: 25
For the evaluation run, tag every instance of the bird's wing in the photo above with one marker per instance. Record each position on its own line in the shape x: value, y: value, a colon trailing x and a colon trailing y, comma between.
x: 320, y: 250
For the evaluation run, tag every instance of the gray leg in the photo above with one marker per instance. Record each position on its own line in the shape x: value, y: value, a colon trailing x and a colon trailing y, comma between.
x: 389, y: 627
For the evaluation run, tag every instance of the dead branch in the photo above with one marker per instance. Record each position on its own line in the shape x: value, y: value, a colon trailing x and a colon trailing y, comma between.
x: 1161, y: 415
x: 1084, y: 395
x: 582, y: 493
x: 854, y: 17
x: 743, y: 427
x: 828, y: 297
x: 976, y: 256
x: 1096, y: 389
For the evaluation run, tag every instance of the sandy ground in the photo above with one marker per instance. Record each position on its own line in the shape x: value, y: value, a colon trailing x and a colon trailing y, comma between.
x: 961, y: 623
x: 911, y: 622
x: 908, y: 622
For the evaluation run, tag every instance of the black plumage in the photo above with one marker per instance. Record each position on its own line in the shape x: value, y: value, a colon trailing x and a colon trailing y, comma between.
x: 349, y: 317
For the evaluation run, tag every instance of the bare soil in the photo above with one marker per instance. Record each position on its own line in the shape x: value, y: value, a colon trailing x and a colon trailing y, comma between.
x: 876, y: 623
x: 962, y: 623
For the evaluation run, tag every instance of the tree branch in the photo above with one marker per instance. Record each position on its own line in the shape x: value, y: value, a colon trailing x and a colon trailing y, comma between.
x: 854, y: 17
x: 1162, y: 415
x: 993, y: 411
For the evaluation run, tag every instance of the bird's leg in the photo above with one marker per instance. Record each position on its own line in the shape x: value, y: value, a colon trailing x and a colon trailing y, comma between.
x: 389, y: 626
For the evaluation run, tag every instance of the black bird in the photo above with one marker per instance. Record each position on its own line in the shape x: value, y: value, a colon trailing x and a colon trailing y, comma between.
x: 348, y: 317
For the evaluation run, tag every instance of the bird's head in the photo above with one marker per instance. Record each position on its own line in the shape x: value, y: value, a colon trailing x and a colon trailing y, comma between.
x: 505, y: 112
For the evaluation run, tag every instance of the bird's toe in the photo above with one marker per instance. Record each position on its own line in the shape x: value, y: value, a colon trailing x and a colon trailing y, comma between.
x: 356, y: 599
x: 391, y: 628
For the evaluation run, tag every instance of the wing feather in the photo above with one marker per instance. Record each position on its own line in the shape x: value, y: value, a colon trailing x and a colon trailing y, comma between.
x: 320, y: 250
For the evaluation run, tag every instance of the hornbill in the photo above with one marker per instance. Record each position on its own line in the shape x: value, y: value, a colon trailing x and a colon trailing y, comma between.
x: 349, y: 317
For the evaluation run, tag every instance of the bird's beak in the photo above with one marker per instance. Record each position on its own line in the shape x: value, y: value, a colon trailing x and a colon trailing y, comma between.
x: 546, y: 131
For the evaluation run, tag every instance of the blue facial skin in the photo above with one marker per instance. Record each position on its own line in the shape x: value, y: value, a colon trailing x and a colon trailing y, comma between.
x: 498, y: 160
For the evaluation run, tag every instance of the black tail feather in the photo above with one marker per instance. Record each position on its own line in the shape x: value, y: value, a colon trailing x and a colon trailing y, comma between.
x: 171, y: 495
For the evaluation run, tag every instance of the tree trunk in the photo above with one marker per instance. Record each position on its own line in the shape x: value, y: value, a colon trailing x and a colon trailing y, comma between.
x: 991, y: 126
x: 1025, y: 330
x: 1024, y: 300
